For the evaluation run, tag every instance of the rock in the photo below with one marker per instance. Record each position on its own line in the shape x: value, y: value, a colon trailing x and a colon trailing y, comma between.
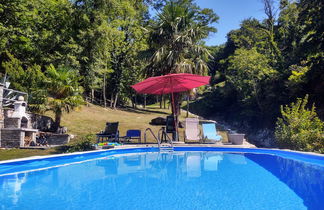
x: 263, y: 138
x: 158, y: 121
x: 62, y: 130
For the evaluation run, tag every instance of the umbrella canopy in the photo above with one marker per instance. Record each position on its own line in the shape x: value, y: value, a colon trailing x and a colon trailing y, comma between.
x: 171, y: 83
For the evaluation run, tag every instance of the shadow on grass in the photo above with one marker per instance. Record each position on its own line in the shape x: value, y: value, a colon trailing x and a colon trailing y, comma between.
x: 60, y: 149
x: 144, y: 111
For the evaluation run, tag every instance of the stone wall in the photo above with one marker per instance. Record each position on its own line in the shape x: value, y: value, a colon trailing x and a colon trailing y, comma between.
x: 58, y: 139
x: 12, y: 123
x: 41, y: 122
x: 37, y: 121
x: 11, y: 138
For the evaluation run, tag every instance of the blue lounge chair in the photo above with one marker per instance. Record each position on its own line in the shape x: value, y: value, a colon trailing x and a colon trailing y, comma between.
x: 210, y: 133
x: 132, y: 134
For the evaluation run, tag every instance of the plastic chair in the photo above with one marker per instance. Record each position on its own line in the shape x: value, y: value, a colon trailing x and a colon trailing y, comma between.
x: 132, y: 134
x: 110, y: 132
x: 210, y: 132
x: 192, y: 131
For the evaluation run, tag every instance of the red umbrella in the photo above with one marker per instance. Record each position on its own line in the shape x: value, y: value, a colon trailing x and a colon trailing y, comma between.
x: 171, y: 83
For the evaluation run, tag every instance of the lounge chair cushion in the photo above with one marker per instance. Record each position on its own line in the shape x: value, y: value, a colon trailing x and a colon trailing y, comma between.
x: 210, y: 133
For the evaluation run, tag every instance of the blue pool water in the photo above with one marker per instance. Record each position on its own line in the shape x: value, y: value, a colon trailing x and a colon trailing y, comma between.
x: 146, y: 179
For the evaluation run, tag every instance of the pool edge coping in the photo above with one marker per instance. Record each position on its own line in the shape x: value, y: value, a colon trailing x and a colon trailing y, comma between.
x: 309, y: 154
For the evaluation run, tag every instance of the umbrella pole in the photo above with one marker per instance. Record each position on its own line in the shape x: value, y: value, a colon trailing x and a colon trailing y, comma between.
x: 175, y: 134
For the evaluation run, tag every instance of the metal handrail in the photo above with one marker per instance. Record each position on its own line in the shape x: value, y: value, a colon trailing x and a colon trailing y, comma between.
x: 157, y: 139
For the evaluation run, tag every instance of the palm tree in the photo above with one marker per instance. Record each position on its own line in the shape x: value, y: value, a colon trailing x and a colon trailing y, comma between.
x: 176, y: 40
x: 63, y: 91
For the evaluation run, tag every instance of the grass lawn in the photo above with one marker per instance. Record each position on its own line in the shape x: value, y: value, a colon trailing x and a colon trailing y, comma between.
x: 91, y: 120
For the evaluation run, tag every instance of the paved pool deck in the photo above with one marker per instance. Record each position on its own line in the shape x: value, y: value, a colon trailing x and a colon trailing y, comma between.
x: 182, y: 144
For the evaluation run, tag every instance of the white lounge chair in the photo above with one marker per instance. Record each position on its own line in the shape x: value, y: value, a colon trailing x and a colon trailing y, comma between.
x: 192, y: 131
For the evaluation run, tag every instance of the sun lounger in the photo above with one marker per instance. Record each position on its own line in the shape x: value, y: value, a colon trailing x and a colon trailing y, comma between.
x: 210, y: 133
x: 192, y: 131
x: 110, y: 133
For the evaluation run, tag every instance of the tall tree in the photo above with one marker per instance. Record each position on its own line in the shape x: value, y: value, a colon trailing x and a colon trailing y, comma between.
x: 111, y: 33
x: 249, y: 72
x: 176, y: 40
x: 311, y: 49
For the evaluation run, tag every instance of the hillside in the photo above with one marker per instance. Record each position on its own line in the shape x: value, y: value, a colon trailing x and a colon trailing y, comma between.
x: 91, y: 119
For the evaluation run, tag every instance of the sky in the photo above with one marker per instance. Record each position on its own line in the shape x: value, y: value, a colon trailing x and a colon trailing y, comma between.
x: 231, y: 13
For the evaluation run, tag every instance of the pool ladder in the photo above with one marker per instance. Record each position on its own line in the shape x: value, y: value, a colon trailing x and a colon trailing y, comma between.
x: 162, y: 147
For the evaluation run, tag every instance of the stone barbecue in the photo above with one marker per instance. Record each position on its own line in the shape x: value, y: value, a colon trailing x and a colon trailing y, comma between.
x: 17, y: 131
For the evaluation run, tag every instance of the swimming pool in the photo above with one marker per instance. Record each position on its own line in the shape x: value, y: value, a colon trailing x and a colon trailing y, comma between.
x: 188, y: 178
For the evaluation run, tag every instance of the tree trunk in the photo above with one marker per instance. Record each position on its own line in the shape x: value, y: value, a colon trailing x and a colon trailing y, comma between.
x: 57, y: 123
x: 111, y: 100
x: 161, y: 99
x: 187, y: 106
x: 175, y: 104
x: 175, y: 112
x: 104, y: 91
x: 116, y: 99
x: 164, y: 101
x: 144, y: 101
x: 135, y: 98
x: 133, y: 102
x: 92, y: 95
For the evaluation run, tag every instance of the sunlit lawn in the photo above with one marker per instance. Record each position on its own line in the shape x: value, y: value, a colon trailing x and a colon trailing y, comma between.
x: 92, y: 119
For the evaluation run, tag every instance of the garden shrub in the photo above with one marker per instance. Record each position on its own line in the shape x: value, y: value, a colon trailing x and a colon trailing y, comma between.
x: 299, y: 128
x: 84, y: 143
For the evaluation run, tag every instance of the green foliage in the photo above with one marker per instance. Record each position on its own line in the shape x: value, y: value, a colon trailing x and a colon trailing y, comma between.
x: 267, y: 63
x: 299, y: 128
x: 27, y: 80
x: 111, y: 35
x: 83, y: 143
x: 38, y: 31
x: 100, y: 45
x: 175, y: 39
x: 247, y: 70
x: 57, y: 90
x: 63, y: 91
x: 101, y: 40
